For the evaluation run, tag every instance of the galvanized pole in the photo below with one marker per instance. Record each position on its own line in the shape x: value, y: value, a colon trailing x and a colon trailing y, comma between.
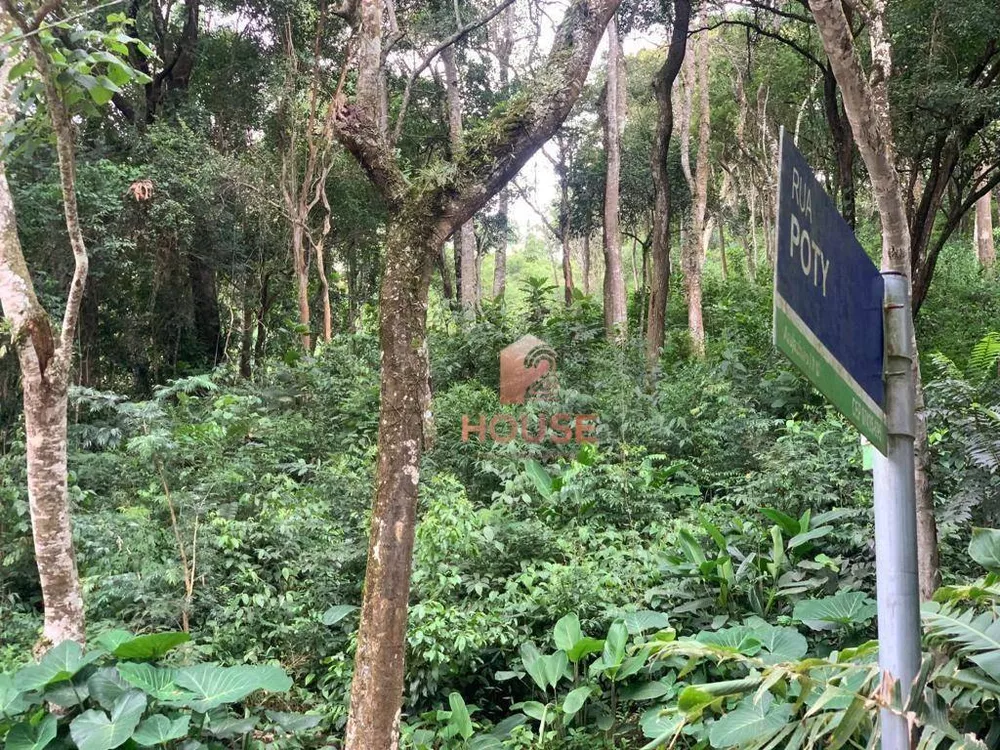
x: 898, y: 595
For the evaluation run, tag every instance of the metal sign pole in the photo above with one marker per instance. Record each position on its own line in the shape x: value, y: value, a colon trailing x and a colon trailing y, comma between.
x: 898, y: 595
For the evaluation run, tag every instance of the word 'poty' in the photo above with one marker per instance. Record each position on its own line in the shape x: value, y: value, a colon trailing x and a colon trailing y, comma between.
x: 814, y: 264
x: 503, y: 428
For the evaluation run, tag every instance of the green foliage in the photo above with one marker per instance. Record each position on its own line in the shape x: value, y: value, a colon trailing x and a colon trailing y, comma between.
x: 115, y: 693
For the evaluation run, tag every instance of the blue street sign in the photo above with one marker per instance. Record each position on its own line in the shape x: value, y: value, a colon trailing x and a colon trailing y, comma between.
x: 828, y: 299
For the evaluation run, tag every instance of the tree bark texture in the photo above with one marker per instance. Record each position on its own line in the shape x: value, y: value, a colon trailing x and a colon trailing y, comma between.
x: 867, y: 106
x: 465, y: 237
x: 45, y: 360
x: 421, y: 217
x: 663, y: 84
x: 986, y: 250
x: 614, y: 115
x: 693, y: 254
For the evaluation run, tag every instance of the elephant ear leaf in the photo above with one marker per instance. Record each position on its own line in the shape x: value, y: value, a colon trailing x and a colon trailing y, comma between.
x: 159, y: 730
x: 212, y: 686
x: 95, y: 730
x: 59, y: 664
x: 24, y: 736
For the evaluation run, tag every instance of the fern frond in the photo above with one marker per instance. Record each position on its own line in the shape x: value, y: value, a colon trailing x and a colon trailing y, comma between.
x: 973, y: 635
x: 984, y: 356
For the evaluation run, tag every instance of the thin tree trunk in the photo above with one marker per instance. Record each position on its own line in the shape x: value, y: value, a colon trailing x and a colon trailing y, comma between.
x: 246, y: 338
x: 722, y: 250
x: 985, y: 246
x: 586, y: 263
x: 324, y: 283
x: 465, y: 237
x: 446, y: 286
x: 659, y: 272
x: 562, y: 167
x: 868, y: 109
x: 693, y: 252
x: 614, y: 282
x: 45, y: 361
x: 500, y: 261
x: 300, y: 262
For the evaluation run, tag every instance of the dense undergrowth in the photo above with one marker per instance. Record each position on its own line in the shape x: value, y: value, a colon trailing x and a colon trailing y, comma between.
x: 718, y: 534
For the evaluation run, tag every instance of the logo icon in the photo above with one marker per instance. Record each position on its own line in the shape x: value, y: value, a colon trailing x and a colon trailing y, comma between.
x: 528, y: 371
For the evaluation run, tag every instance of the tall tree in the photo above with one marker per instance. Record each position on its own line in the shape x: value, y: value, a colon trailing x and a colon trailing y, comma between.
x: 663, y: 85
x: 693, y: 255
x: 504, y: 46
x: 614, y: 118
x: 986, y: 250
x: 465, y: 238
x: 867, y: 104
x: 45, y: 357
x: 422, y: 213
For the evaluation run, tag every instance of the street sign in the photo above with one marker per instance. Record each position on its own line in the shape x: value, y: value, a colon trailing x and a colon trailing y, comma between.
x: 828, y: 299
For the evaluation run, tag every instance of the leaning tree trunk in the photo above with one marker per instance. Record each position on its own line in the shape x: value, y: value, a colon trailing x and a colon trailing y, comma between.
x: 985, y: 247
x: 663, y: 83
x: 45, y: 361
x: 614, y: 115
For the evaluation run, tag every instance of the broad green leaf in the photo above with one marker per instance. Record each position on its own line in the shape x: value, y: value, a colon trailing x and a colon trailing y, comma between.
x: 780, y: 644
x: 485, y: 742
x: 504, y: 728
x: 644, y: 620
x: 555, y: 665
x: 656, y: 723
x: 985, y: 548
x: 156, y: 681
x: 224, y: 725
x: 630, y: 666
x: 293, y: 722
x: 614, y: 644
x: 460, y: 718
x: 567, y: 632
x: 644, y: 691
x: 21, y: 69
x: 151, y: 646
x: 95, y: 730
x: 540, y: 477
x: 337, y: 613
x: 575, y: 700
x: 534, y: 709
x: 690, y: 547
x: 750, y: 721
x: 67, y: 694
x: 60, y: 663
x: 532, y: 660
x: 584, y: 647
x: 739, y: 639
x: 24, y: 736
x: 785, y: 522
x: 976, y: 636
x: 693, y: 699
x: 845, y: 608
x: 107, y: 686
x: 212, y: 685
x: 159, y: 730
x: 109, y: 640
x: 808, y: 536
x: 12, y: 700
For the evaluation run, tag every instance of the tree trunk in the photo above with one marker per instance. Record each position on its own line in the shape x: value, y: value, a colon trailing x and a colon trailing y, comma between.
x: 324, y: 283
x: 500, y: 261
x: 447, y: 289
x: 614, y: 115
x: 985, y: 246
x: 378, y: 679
x: 205, y: 306
x: 562, y: 167
x: 868, y: 109
x: 586, y: 263
x: 301, y: 265
x: 45, y: 361
x: 693, y: 250
x: 465, y: 237
x: 246, y: 339
x: 722, y: 250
